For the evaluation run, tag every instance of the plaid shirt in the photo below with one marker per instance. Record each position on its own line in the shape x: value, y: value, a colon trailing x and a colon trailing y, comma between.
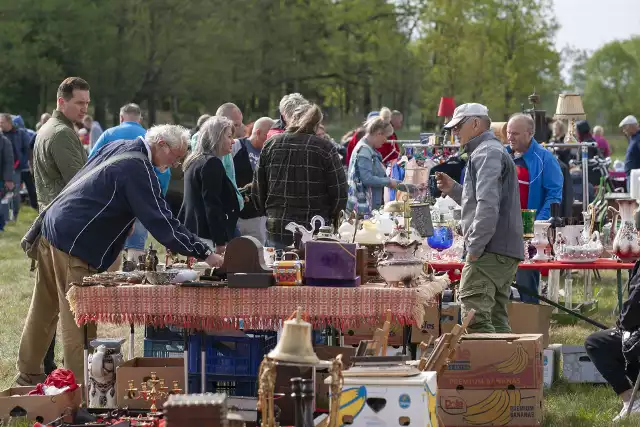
x: 298, y: 176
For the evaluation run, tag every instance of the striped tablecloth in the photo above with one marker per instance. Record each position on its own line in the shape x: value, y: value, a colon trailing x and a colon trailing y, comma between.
x: 217, y: 308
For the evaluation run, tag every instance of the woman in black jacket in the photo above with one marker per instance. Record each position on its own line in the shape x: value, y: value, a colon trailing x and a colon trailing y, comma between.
x: 210, y: 208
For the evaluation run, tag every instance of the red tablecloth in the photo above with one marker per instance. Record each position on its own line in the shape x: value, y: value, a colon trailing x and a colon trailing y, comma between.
x: 601, y: 264
x: 217, y: 308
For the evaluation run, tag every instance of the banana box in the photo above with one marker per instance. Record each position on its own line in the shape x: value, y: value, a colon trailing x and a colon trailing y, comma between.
x: 352, y: 337
x: 496, y: 407
x: 436, y: 322
x: 389, y: 401
x: 487, y: 361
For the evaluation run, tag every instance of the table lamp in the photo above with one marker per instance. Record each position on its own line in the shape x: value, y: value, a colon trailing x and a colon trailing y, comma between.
x: 446, y: 109
x: 570, y: 108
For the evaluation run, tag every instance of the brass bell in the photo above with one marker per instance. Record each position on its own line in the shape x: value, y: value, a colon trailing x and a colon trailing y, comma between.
x: 295, y: 343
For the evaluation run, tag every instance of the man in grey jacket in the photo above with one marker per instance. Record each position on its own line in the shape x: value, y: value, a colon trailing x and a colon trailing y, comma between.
x: 491, y: 219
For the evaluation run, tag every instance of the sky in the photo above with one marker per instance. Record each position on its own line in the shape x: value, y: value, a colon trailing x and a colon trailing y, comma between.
x: 589, y: 24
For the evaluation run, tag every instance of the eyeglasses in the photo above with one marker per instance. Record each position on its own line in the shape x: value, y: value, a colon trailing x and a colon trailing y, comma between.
x: 177, y: 156
x: 457, y: 127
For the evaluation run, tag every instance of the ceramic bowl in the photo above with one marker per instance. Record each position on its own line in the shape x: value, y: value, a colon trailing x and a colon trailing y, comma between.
x: 400, y: 271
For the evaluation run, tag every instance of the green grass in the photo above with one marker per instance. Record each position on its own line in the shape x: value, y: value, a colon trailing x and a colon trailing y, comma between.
x: 565, y: 405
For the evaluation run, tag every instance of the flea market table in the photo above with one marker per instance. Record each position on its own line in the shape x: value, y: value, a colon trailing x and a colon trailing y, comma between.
x: 210, y: 308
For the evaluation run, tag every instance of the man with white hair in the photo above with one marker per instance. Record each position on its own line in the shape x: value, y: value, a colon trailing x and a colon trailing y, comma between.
x: 84, y: 231
x: 246, y: 152
x: 631, y: 129
x: 288, y: 105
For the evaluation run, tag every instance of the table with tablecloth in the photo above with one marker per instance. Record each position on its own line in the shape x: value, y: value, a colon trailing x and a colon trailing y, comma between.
x: 554, y: 268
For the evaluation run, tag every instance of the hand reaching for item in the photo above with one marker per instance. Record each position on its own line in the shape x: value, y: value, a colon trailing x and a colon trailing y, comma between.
x: 214, y: 260
x: 445, y: 182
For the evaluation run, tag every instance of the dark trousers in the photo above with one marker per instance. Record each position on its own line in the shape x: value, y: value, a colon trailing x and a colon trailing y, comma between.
x: 27, y: 178
x: 529, y: 279
x: 605, y: 351
x: 49, y: 358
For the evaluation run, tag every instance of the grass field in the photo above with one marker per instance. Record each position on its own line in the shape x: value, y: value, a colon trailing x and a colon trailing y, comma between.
x: 565, y: 405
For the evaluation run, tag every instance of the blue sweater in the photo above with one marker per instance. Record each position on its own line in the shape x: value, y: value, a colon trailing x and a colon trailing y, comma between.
x: 545, y: 179
x: 129, y: 131
x: 93, y: 221
x: 20, y: 140
x: 632, y: 158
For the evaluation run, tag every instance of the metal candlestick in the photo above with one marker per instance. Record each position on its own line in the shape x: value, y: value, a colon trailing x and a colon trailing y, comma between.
x: 151, y: 390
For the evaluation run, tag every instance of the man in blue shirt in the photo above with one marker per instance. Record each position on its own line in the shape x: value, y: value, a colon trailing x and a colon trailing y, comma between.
x: 631, y: 129
x: 540, y: 182
x: 20, y: 142
x: 130, y: 129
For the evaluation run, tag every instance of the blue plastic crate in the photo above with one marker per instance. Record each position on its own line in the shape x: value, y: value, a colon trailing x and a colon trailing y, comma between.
x: 171, y: 333
x: 228, y: 384
x: 158, y: 348
x: 231, y: 355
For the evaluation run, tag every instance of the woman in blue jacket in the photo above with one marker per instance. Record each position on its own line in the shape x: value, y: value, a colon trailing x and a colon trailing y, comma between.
x: 367, y: 176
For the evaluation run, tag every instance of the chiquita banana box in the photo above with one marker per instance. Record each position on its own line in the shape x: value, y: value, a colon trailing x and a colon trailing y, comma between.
x: 487, y: 361
x: 389, y: 401
x: 512, y: 407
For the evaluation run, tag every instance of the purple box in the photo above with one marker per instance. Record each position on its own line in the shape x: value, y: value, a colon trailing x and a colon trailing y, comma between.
x: 330, y: 260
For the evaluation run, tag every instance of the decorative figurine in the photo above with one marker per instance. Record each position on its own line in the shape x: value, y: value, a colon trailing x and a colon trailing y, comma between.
x: 152, y: 390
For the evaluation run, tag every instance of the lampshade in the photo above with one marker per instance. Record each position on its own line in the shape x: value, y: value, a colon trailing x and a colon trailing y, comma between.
x: 570, y: 107
x: 447, y: 106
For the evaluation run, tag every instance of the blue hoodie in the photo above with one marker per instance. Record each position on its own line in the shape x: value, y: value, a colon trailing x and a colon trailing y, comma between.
x: 545, y: 179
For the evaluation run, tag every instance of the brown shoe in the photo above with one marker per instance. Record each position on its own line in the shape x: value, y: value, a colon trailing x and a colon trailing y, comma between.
x: 29, y: 380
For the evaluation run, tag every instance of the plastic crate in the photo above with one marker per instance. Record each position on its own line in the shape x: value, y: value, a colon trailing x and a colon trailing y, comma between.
x: 230, y: 385
x: 156, y: 348
x: 171, y: 333
x: 231, y: 355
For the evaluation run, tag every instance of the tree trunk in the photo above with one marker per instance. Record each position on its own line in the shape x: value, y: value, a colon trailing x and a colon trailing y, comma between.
x: 151, y: 107
x: 366, y: 104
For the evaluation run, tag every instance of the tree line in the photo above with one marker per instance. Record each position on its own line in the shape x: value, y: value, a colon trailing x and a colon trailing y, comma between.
x: 186, y: 57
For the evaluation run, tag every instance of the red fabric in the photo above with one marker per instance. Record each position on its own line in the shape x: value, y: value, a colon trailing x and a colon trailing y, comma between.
x: 273, y: 132
x: 523, y: 185
x: 447, y: 107
x: 59, y: 378
x: 390, y: 150
x: 352, y: 144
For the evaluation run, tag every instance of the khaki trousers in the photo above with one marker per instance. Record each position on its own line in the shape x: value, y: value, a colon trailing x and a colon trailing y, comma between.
x: 56, y: 270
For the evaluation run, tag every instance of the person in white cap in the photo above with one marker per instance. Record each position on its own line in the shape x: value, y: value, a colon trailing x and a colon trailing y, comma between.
x: 631, y: 129
x: 489, y: 197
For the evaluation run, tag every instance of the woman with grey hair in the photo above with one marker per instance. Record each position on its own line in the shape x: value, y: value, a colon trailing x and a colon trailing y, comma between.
x: 288, y: 106
x: 210, y: 208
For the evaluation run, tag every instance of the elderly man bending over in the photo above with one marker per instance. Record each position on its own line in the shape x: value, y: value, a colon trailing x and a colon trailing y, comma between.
x: 84, y: 231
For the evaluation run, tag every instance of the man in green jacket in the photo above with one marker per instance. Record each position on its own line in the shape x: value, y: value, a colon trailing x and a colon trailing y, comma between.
x: 58, y: 153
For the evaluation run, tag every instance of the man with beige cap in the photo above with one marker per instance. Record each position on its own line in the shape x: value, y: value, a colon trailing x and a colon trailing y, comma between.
x: 490, y: 199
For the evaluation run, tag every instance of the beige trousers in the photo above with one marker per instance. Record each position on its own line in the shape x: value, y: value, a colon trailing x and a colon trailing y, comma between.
x: 56, y: 270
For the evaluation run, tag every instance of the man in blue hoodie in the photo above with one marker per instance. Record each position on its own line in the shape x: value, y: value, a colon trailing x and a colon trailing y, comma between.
x: 128, y: 130
x: 540, y: 183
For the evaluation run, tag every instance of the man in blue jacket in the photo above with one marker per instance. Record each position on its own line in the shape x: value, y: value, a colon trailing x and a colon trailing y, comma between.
x: 20, y: 141
x: 130, y: 129
x: 539, y: 182
x: 84, y: 231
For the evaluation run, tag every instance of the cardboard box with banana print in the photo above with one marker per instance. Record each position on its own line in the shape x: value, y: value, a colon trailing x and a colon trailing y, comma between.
x: 509, y: 406
x: 488, y: 361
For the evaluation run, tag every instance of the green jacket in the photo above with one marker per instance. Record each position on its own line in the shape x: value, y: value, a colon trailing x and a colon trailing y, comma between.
x: 58, y: 155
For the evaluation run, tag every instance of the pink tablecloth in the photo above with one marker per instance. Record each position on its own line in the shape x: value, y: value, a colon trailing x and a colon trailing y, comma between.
x: 216, y: 308
x: 601, y: 264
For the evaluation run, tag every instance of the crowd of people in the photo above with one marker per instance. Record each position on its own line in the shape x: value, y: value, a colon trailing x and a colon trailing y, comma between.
x: 195, y: 190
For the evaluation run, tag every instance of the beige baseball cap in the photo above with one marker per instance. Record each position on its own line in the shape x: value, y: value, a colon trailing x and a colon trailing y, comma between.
x: 471, y: 109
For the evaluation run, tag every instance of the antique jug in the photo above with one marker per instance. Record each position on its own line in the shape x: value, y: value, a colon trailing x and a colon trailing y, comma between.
x: 626, y: 245
x: 540, y: 240
x: 102, y: 372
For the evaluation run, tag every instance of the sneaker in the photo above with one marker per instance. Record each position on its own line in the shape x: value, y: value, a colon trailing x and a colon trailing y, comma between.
x: 625, y: 406
x: 29, y: 380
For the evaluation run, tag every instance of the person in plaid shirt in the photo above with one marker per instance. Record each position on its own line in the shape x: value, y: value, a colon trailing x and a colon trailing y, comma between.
x: 299, y: 175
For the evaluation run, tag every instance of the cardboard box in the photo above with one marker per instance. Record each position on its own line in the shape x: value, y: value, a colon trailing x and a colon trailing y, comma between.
x: 488, y: 361
x: 389, y: 401
x: 548, y: 363
x: 436, y: 324
x: 530, y: 319
x: 496, y: 407
x: 577, y: 367
x: 139, y: 370
x: 352, y: 337
x: 47, y: 407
